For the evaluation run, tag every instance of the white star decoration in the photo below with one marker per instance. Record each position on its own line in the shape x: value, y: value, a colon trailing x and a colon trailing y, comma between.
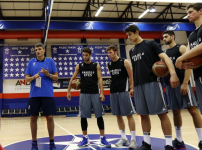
x: 6, y: 70
x: 6, y: 59
x: 6, y: 65
x: 22, y: 74
x: 6, y: 75
x: 60, y: 68
x: 54, y: 48
x: 19, y: 52
x: 11, y: 75
x: 17, y: 75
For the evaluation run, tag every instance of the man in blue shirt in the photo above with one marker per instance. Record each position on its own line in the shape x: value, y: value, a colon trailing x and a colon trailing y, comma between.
x: 40, y: 72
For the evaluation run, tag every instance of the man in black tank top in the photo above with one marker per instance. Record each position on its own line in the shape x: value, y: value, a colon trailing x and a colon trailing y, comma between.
x: 182, y: 96
x: 194, y: 48
x: 148, y: 93
x: 121, y: 104
x: 90, y: 98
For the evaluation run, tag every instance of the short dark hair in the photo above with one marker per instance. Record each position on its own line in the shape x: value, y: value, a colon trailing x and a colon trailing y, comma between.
x: 87, y: 50
x: 132, y: 28
x: 169, y: 32
x: 114, y: 48
x: 196, y: 6
x: 40, y: 45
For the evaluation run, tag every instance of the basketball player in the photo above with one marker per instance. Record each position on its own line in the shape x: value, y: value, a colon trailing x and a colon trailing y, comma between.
x: 194, y: 48
x: 121, y: 104
x: 194, y: 12
x: 90, y: 73
x: 182, y: 96
x: 40, y: 72
x: 148, y: 93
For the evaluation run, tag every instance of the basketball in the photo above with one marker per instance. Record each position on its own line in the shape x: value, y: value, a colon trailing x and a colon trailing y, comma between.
x: 76, y: 84
x: 197, y: 60
x: 160, y: 69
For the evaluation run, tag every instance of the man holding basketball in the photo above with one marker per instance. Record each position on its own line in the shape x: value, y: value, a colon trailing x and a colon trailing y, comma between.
x: 182, y: 96
x: 194, y: 13
x: 148, y: 93
x: 90, y: 73
x: 40, y: 72
x: 121, y: 104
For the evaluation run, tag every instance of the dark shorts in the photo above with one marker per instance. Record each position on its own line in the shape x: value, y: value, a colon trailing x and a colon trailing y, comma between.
x: 47, y: 104
x: 87, y: 102
x: 177, y: 100
x: 149, y: 99
x: 199, y: 92
x: 121, y: 104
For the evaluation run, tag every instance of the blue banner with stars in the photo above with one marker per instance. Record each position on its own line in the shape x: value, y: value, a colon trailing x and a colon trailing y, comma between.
x: 15, y: 61
x: 67, y: 58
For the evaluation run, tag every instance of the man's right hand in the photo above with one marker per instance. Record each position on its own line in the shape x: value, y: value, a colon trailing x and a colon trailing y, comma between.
x: 69, y: 96
x: 36, y: 75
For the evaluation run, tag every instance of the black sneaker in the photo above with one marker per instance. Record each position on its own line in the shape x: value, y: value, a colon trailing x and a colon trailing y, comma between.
x: 200, y: 145
x: 168, y: 147
x: 178, y: 145
x: 145, y: 146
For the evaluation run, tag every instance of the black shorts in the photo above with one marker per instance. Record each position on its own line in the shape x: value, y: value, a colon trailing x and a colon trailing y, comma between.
x: 47, y: 104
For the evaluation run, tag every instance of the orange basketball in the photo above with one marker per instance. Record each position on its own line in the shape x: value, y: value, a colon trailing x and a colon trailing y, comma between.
x: 76, y: 84
x: 197, y: 60
x: 160, y: 69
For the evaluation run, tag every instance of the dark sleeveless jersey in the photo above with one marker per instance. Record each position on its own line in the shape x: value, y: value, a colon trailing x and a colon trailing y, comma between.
x: 89, y: 80
x: 119, y: 76
x: 173, y: 54
x: 195, y: 38
x: 143, y: 56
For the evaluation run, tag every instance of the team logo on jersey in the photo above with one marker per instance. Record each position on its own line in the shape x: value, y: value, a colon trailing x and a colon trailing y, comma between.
x: 195, y: 43
x: 115, y: 71
x: 138, y: 56
x: 88, y: 73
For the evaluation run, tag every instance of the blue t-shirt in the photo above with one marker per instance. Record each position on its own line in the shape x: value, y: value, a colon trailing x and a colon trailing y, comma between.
x: 34, y: 66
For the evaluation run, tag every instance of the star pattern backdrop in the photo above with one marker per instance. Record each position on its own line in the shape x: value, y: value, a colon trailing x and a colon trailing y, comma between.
x: 15, y: 61
x: 66, y: 58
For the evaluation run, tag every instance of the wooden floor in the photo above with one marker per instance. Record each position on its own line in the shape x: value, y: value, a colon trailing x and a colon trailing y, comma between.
x: 18, y: 128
